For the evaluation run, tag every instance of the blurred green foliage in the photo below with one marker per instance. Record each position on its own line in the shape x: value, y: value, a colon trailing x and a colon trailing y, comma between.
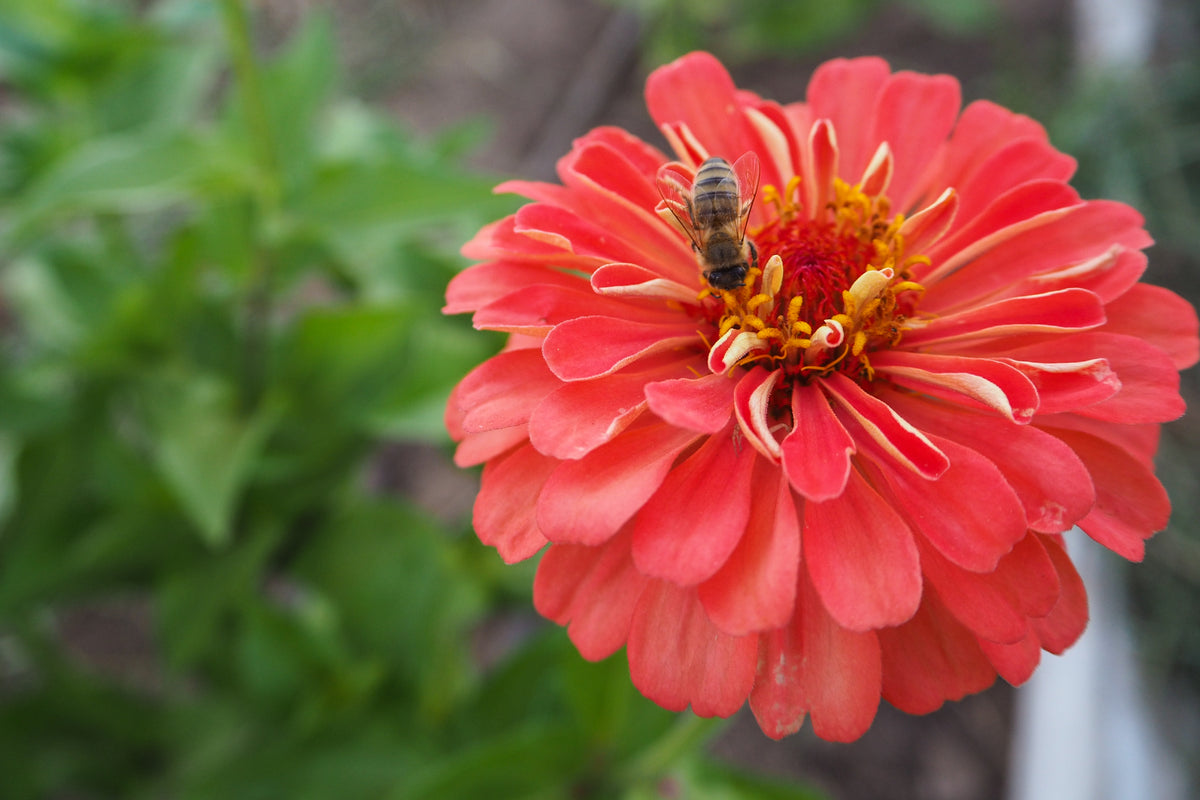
x: 221, y: 282
x: 754, y: 29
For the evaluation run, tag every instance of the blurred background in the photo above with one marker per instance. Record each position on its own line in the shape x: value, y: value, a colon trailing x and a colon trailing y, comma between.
x: 235, y: 559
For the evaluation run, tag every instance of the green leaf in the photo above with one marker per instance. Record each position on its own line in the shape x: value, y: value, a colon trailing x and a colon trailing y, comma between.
x: 204, y: 448
x: 532, y: 760
x: 388, y: 575
x: 701, y: 778
x: 124, y: 173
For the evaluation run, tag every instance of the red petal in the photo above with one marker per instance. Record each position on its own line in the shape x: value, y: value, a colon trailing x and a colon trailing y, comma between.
x: 815, y: 665
x: 587, y: 501
x: 476, y: 286
x: 534, y: 310
x: 503, y: 391
x: 1016, y: 661
x: 970, y: 514
x: 862, y: 558
x: 677, y: 657
x: 816, y: 454
x: 594, y: 590
x: 688, y: 528
x: 931, y: 659
x: 1065, y: 624
x: 1149, y: 381
x: 756, y: 588
x: 477, y: 448
x: 1131, y: 505
x: 982, y: 129
x: 914, y: 114
x: 977, y: 602
x: 697, y: 90
x: 1084, y: 232
x: 981, y: 382
x: 905, y: 444
x: 578, y: 417
x: 845, y: 92
x: 589, y: 347
x: 751, y: 404
x: 1004, y: 211
x: 1017, y: 162
x: 1029, y: 577
x: 702, y: 404
x: 504, y: 509
x: 1160, y: 317
x: 1054, y: 486
x: 1054, y: 312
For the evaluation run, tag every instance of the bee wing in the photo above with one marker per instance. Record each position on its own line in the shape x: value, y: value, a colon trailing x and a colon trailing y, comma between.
x: 675, y: 187
x: 746, y: 169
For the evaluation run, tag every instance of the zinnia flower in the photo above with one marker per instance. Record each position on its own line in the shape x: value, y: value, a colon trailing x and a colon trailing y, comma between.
x: 848, y: 478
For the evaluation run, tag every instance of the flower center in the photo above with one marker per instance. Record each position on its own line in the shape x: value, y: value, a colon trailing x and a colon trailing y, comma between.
x: 831, y: 288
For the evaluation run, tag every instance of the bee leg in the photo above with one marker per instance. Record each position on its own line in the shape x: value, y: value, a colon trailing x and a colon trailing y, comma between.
x: 753, y: 255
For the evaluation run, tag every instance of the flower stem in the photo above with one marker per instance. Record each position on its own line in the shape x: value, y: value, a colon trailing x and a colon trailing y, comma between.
x: 267, y: 197
x: 685, y: 736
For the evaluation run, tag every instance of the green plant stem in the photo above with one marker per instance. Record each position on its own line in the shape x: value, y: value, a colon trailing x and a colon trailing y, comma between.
x: 254, y: 104
x: 685, y: 736
x: 258, y: 123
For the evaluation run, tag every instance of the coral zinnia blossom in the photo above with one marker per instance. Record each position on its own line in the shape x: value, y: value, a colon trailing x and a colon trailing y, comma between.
x: 848, y: 478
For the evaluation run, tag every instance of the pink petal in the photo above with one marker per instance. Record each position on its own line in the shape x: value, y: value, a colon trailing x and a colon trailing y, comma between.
x: 702, y: 404
x: 587, y: 501
x: 1017, y: 162
x: 677, y: 657
x: 534, y: 310
x: 503, y: 391
x: 1029, y: 578
x: 751, y: 404
x: 479, y: 285
x: 914, y: 114
x: 478, y: 448
x: 634, y: 282
x: 1088, y: 230
x: 982, y: 129
x: 822, y: 164
x: 905, y: 444
x: 1065, y: 624
x: 973, y: 599
x: 697, y: 90
x: 593, y: 590
x: 931, y: 659
x: 1160, y: 317
x: 929, y: 224
x: 845, y: 91
x: 504, y: 508
x: 1131, y: 505
x: 970, y: 514
x: 816, y: 454
x: 644, y: 157
x: 1053, y: 312
x: 588, y: 347
x: 1003, y: 212
x: 1016, y: 661
x: 980, y: 382
x: 1053, y: 484
x: 862, y: 558
x: 1149, y: 382
x: 756, y: 588
x: 578, y: 417
x: 689, y: 527
x: 817, y: 666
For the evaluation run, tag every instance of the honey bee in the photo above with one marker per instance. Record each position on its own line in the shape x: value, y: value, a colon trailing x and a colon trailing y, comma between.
x: 713, y: 211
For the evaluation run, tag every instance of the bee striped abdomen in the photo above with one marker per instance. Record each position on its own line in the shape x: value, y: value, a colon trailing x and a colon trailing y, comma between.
x: 715, y: 194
